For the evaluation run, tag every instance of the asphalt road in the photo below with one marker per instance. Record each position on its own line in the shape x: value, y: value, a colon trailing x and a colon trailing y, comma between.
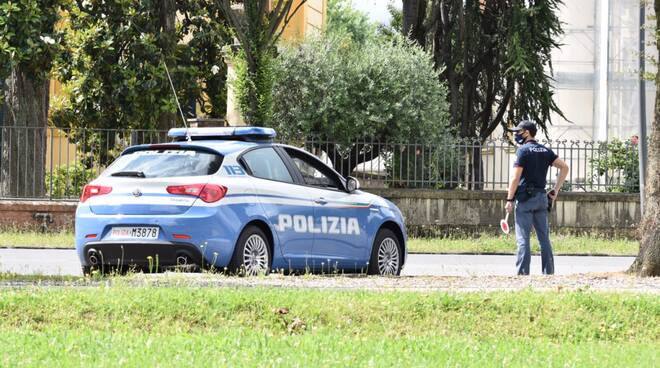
x: 65, y: 262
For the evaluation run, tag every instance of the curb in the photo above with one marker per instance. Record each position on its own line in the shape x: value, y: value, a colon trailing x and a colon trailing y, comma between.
x: 513, y: 254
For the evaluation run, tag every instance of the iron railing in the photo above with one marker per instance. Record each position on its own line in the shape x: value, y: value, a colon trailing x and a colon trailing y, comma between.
x: 51, y: 163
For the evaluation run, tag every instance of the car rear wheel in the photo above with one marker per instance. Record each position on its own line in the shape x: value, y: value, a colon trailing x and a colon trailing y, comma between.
x: 386, y: 256
x: 252, y: 254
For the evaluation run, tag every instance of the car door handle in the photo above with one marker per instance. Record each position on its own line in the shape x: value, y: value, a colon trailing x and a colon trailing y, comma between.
x: 320, y: 201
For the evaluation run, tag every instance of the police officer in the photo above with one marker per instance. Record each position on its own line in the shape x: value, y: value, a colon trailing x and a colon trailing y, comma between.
x: 527, y: 190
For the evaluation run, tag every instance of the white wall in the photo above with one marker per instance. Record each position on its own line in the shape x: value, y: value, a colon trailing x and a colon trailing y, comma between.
x: 599, y: 97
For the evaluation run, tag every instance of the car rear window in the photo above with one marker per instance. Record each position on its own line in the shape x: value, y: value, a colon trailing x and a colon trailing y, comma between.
x: 165, y: 163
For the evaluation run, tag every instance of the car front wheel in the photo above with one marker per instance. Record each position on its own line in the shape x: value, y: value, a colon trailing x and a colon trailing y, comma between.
x: 386, y: 256
x: 252, y: 254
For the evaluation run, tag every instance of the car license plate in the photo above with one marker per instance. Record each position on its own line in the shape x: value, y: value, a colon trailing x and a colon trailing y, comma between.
x: 135, y: 232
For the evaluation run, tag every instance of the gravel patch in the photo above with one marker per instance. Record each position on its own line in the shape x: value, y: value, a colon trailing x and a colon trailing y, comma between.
x: 602, y: 282
x: 605, y: 282
x: 612, y: 282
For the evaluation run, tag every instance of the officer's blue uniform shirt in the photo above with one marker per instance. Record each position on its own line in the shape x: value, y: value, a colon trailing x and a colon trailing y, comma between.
x: 535, y: 159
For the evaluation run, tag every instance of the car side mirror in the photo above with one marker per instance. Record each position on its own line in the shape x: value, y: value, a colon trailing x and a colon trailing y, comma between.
x: 352, y: 184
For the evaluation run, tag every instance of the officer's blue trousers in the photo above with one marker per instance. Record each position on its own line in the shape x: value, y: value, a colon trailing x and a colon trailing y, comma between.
x: 533, y: 212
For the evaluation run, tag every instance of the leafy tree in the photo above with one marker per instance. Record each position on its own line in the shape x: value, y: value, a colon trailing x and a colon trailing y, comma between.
x: 344, y: 20
x: 114, y: 70
x: 203, y: 23
x: 114, y: 66
x: 346, y: 96
x: 647, y: 262
x: 118, y: 49
x: 28, y: 44
x: 396, y: 22
x: 258, y: 27
x: 496, y: 58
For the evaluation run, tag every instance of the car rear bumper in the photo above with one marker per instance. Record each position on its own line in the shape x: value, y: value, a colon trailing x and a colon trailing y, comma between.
x: 212, y: 232
x: 141, y: 254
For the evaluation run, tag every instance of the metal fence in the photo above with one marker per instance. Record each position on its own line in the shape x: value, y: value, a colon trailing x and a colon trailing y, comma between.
x: 51, y: 163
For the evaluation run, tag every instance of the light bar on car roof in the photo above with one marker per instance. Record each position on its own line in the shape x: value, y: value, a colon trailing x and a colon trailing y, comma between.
x: 239, y: 133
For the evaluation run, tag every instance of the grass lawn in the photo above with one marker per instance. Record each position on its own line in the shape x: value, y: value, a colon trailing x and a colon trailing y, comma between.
x: 20, y: 239
x: 562, y: 244
x: 111, y: 326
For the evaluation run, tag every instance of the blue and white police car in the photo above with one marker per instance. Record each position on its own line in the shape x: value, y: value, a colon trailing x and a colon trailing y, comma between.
x: 230, y: 198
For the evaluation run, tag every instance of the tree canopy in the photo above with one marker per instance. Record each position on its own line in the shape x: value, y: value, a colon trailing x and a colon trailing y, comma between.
x: 495, y: 57
x: 28, y: 43
x: 28, y: 37
x: 114, y: 67
x: 344, y: 20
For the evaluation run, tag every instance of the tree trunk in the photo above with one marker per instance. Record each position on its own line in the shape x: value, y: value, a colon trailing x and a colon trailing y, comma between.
x: 23, y: 144
x: 167, y: 20
x: 477, y: 169
x: 414, y: 13
x: 647, y: 262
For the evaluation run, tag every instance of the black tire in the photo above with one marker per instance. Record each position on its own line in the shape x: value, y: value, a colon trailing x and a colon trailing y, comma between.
x: 252, y: 238
x: 387, y: 240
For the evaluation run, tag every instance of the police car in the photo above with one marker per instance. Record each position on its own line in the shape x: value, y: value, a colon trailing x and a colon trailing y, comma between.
x: 230, y: 198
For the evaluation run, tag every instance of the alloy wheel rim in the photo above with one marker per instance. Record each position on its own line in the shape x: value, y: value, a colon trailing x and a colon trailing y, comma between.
x: 388, y: 257
x: 255, y: 255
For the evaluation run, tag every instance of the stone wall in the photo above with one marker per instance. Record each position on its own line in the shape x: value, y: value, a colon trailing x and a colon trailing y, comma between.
x: 37, y: 215
x: 427, y: 212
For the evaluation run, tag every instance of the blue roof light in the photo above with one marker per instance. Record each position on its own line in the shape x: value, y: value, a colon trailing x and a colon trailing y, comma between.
x: 250, y: 133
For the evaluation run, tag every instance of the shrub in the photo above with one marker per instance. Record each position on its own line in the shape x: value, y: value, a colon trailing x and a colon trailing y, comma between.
x: 343, y: 19
x: 68, y: 180
x: 435, y: 166
x: 335, y: 90
x: 617, y: 166
x: 246, y: 86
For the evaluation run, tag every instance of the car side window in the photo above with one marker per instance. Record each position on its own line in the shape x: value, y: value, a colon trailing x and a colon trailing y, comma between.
x: 312, y: 171
x: 265, y: 163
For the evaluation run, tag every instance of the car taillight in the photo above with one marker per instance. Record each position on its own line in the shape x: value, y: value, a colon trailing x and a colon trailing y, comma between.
x: 93, y: 190
x: 208, y: 193
x: 212, y: 193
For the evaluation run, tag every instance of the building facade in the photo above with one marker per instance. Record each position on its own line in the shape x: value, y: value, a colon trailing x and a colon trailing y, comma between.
x: 597, y: 71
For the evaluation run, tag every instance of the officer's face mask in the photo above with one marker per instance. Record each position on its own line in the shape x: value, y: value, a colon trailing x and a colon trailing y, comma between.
x: 519, y: 137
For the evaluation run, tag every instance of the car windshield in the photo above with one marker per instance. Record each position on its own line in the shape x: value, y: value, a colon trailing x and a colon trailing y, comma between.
x: 165, y: 163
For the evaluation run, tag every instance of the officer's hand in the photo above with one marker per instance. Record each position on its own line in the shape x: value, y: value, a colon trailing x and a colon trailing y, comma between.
x: 553, y: 194
x: 509, y: 207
